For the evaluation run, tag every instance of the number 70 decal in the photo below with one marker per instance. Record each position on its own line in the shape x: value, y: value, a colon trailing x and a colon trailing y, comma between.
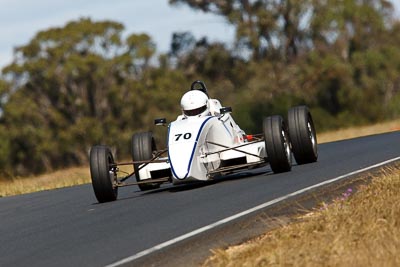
x: 186, y: 136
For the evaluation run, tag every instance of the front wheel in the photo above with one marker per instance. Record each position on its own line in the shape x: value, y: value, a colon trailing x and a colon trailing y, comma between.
x: 143, y: 146
x: 302, y: 135
x: 103, y: 174
x: 277, y: 144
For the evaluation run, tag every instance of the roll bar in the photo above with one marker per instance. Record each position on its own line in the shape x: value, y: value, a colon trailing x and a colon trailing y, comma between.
x: 202, y: 88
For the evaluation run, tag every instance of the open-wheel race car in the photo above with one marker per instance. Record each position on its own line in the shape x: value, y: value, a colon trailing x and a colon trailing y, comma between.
x: 202, y: 143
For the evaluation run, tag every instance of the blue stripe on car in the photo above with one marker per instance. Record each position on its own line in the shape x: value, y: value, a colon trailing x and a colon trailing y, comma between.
x: 194, y: 149
x: 229, y: 132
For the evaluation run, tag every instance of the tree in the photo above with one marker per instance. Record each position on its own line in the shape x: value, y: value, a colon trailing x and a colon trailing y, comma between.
x: 68, y: 86
x: 270, y: 29
x: 349, y: 26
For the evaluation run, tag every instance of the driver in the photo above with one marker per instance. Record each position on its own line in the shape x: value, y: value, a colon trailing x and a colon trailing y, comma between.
x: 195, y: 103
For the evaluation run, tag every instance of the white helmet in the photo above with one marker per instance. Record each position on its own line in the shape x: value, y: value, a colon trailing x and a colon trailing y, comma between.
x: 195, y: 103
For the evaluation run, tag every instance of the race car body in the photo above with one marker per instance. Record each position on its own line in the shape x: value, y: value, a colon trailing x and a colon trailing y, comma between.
x: 194, y: 148
x: 203, y: 143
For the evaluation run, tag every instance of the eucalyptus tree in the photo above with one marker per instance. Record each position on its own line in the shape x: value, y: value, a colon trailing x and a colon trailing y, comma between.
x: 71, y: 87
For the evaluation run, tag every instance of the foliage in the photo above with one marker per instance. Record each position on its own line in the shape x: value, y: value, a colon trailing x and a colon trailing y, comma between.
x: 84, y: 84
x: 76, y: 86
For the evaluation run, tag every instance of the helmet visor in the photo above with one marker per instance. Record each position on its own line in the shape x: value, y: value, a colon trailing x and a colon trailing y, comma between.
x: 196, y: 111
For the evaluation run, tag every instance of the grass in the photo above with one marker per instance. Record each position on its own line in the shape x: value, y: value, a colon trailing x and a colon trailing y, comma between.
x: 353, y: 132
x: 58, y: 179
x: 80, y: 175
x: 355, y: 230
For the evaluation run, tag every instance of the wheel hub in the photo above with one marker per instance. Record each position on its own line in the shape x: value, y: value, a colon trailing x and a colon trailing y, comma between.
x: 286, y: 146
x: 312, y: 136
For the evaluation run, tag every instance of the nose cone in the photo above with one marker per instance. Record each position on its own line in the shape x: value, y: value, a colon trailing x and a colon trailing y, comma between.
x: 181, y: 157
x: 183, y: 151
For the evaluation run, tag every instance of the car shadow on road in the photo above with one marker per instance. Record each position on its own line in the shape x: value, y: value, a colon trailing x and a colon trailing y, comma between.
x: 226, y: 178
x: 218, y: 179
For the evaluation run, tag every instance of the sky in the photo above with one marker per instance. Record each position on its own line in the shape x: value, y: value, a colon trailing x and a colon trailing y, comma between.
x: 20, y: 20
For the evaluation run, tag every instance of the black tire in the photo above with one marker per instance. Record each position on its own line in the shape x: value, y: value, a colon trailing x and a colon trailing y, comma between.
x: 102, y: 174
x: 277, y: 144
x: 143, y: 146
x: 302, y: 135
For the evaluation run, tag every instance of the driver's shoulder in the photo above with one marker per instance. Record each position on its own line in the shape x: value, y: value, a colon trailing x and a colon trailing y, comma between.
x: 214, y: 101
x: 215, y: 106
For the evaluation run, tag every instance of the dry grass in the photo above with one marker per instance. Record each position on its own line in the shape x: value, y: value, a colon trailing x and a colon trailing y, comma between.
x: 353, y: 132
x: 356, y: 230
x: 58, y: 179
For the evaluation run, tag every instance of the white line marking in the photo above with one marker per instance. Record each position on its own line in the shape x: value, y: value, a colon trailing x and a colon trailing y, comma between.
x: 241, y: 214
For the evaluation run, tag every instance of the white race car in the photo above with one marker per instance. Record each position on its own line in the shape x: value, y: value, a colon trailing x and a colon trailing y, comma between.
x: 205, y: 142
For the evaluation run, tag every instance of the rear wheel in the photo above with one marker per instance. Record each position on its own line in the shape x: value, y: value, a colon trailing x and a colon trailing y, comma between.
x: 143, y: 146
x: 302, y: 135
x: 103, y: 174
x: 277, y: 144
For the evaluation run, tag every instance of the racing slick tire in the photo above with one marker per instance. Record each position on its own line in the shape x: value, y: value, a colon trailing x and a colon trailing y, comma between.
x: 102, y: 174
x: 302, y: 134
x: 277, y: 144
x: 143, y: 146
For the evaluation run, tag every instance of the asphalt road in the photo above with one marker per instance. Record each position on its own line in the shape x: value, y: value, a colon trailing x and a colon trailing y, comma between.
x: 67, y: 227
